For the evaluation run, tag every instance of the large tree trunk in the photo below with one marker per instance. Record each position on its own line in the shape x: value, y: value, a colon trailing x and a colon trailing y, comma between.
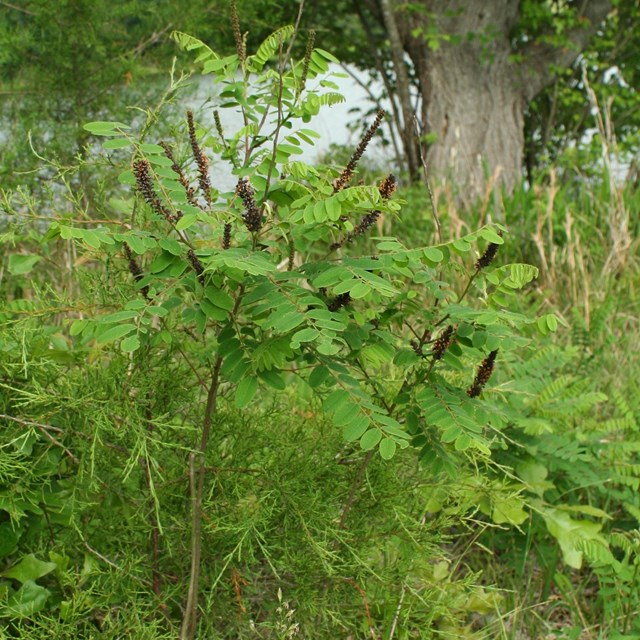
x: 474, y: 89
x: 474, y: 118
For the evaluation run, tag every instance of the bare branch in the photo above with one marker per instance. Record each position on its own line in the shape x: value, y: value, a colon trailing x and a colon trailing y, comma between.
x: 44, y: 430
x: 16, y: 8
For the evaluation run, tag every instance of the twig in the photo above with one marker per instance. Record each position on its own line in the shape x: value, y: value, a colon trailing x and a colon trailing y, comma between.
x: 360, y: 590
x: 276, y: 134
x: 189, y: 622
x: 197, y: 472
x: 396, y: 615
x: 103, y: 558
x: 425, y: 170
x: 16, y: 8
x: 44, y: 429
x: 152, y: 39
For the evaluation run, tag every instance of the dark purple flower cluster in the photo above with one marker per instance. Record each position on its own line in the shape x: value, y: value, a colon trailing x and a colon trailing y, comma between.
x: 201, y: 160
x: 251, y: 217
x: 442, y: 342
x: 134, y: 269
x: 144, y: 182
x: 483, y: 374
x: 345, y: 177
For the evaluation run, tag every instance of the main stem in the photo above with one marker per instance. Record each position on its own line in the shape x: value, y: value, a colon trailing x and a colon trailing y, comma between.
x: 197, y: 470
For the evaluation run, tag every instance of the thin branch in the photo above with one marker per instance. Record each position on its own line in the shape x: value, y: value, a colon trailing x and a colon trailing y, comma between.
x: 151, y: 40
x: 396, y: 615
x: 16, y: 8
x: 423, y: 162
x: 103, y: 558
x: 196, y: 478
x: 363, y: 595
x: 44, y: 429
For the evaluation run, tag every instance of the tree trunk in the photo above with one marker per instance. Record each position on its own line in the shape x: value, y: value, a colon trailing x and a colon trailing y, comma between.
x: 474, y: 89
x: 474, y: 113
x: 472, y: 101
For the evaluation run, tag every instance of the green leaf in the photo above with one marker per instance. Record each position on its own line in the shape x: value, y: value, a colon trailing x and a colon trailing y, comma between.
x: 569, y: 532
x: 328, y: 348
x: 451, y: 433
x: 220, y: 298
x: 508, y: 509
x: 326, y: 55
x: 77, y: 327
x: 127, y: 177
x: 130, y: 344
x: 387, y: 448
x: 21, y: 264
x: 288, y: 321
x: 389, y: 245
x: 91, y: 238
x: 29, y: 599
x: 461, y: 245
x: 346, y: 414
x: 161, y: 262
x: 370, y: 439
x: 116, y: 143
x: 586, y: 509
x: 139, y: 244
x: 9, y: 538
x: 335, y: 400
x: 29, y: 568
x: 245, y: 391
x: 213, y: 312
x: 115, y: 333
x: 354, y: 430
x: 491, y: 235
x: 318, y: 376
x: 433, y: 254
x: 119, y: 316
x: 187, y: 220
x: 273, y: 379
x: 542, y: 325
x: 101, y: 128
x: 269, y: 46
x: 305, y: 335
x: 171, y: 245
x: 360, y: 290
x: 152, y: 148
x: 331, y: 276
x: 462, y: 442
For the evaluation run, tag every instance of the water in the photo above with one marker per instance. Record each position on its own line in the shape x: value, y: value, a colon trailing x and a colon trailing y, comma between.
x: 336, y: 124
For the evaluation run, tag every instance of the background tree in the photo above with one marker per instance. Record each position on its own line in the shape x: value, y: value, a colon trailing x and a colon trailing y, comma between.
x: 475, y: 68
x: 493, y: 89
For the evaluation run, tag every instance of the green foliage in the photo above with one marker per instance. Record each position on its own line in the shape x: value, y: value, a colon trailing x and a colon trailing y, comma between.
x: 317, y: 415
x: 559, y: 119
x: 262, y: 289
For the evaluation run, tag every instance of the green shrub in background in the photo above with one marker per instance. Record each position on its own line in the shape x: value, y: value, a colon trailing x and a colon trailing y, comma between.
x: 186, y: 371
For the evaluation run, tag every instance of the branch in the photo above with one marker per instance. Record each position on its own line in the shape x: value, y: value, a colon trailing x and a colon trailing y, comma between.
x: 44, y: 430
x: 16, y: 8
x: 541, y: 58
x: 150, y: 41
